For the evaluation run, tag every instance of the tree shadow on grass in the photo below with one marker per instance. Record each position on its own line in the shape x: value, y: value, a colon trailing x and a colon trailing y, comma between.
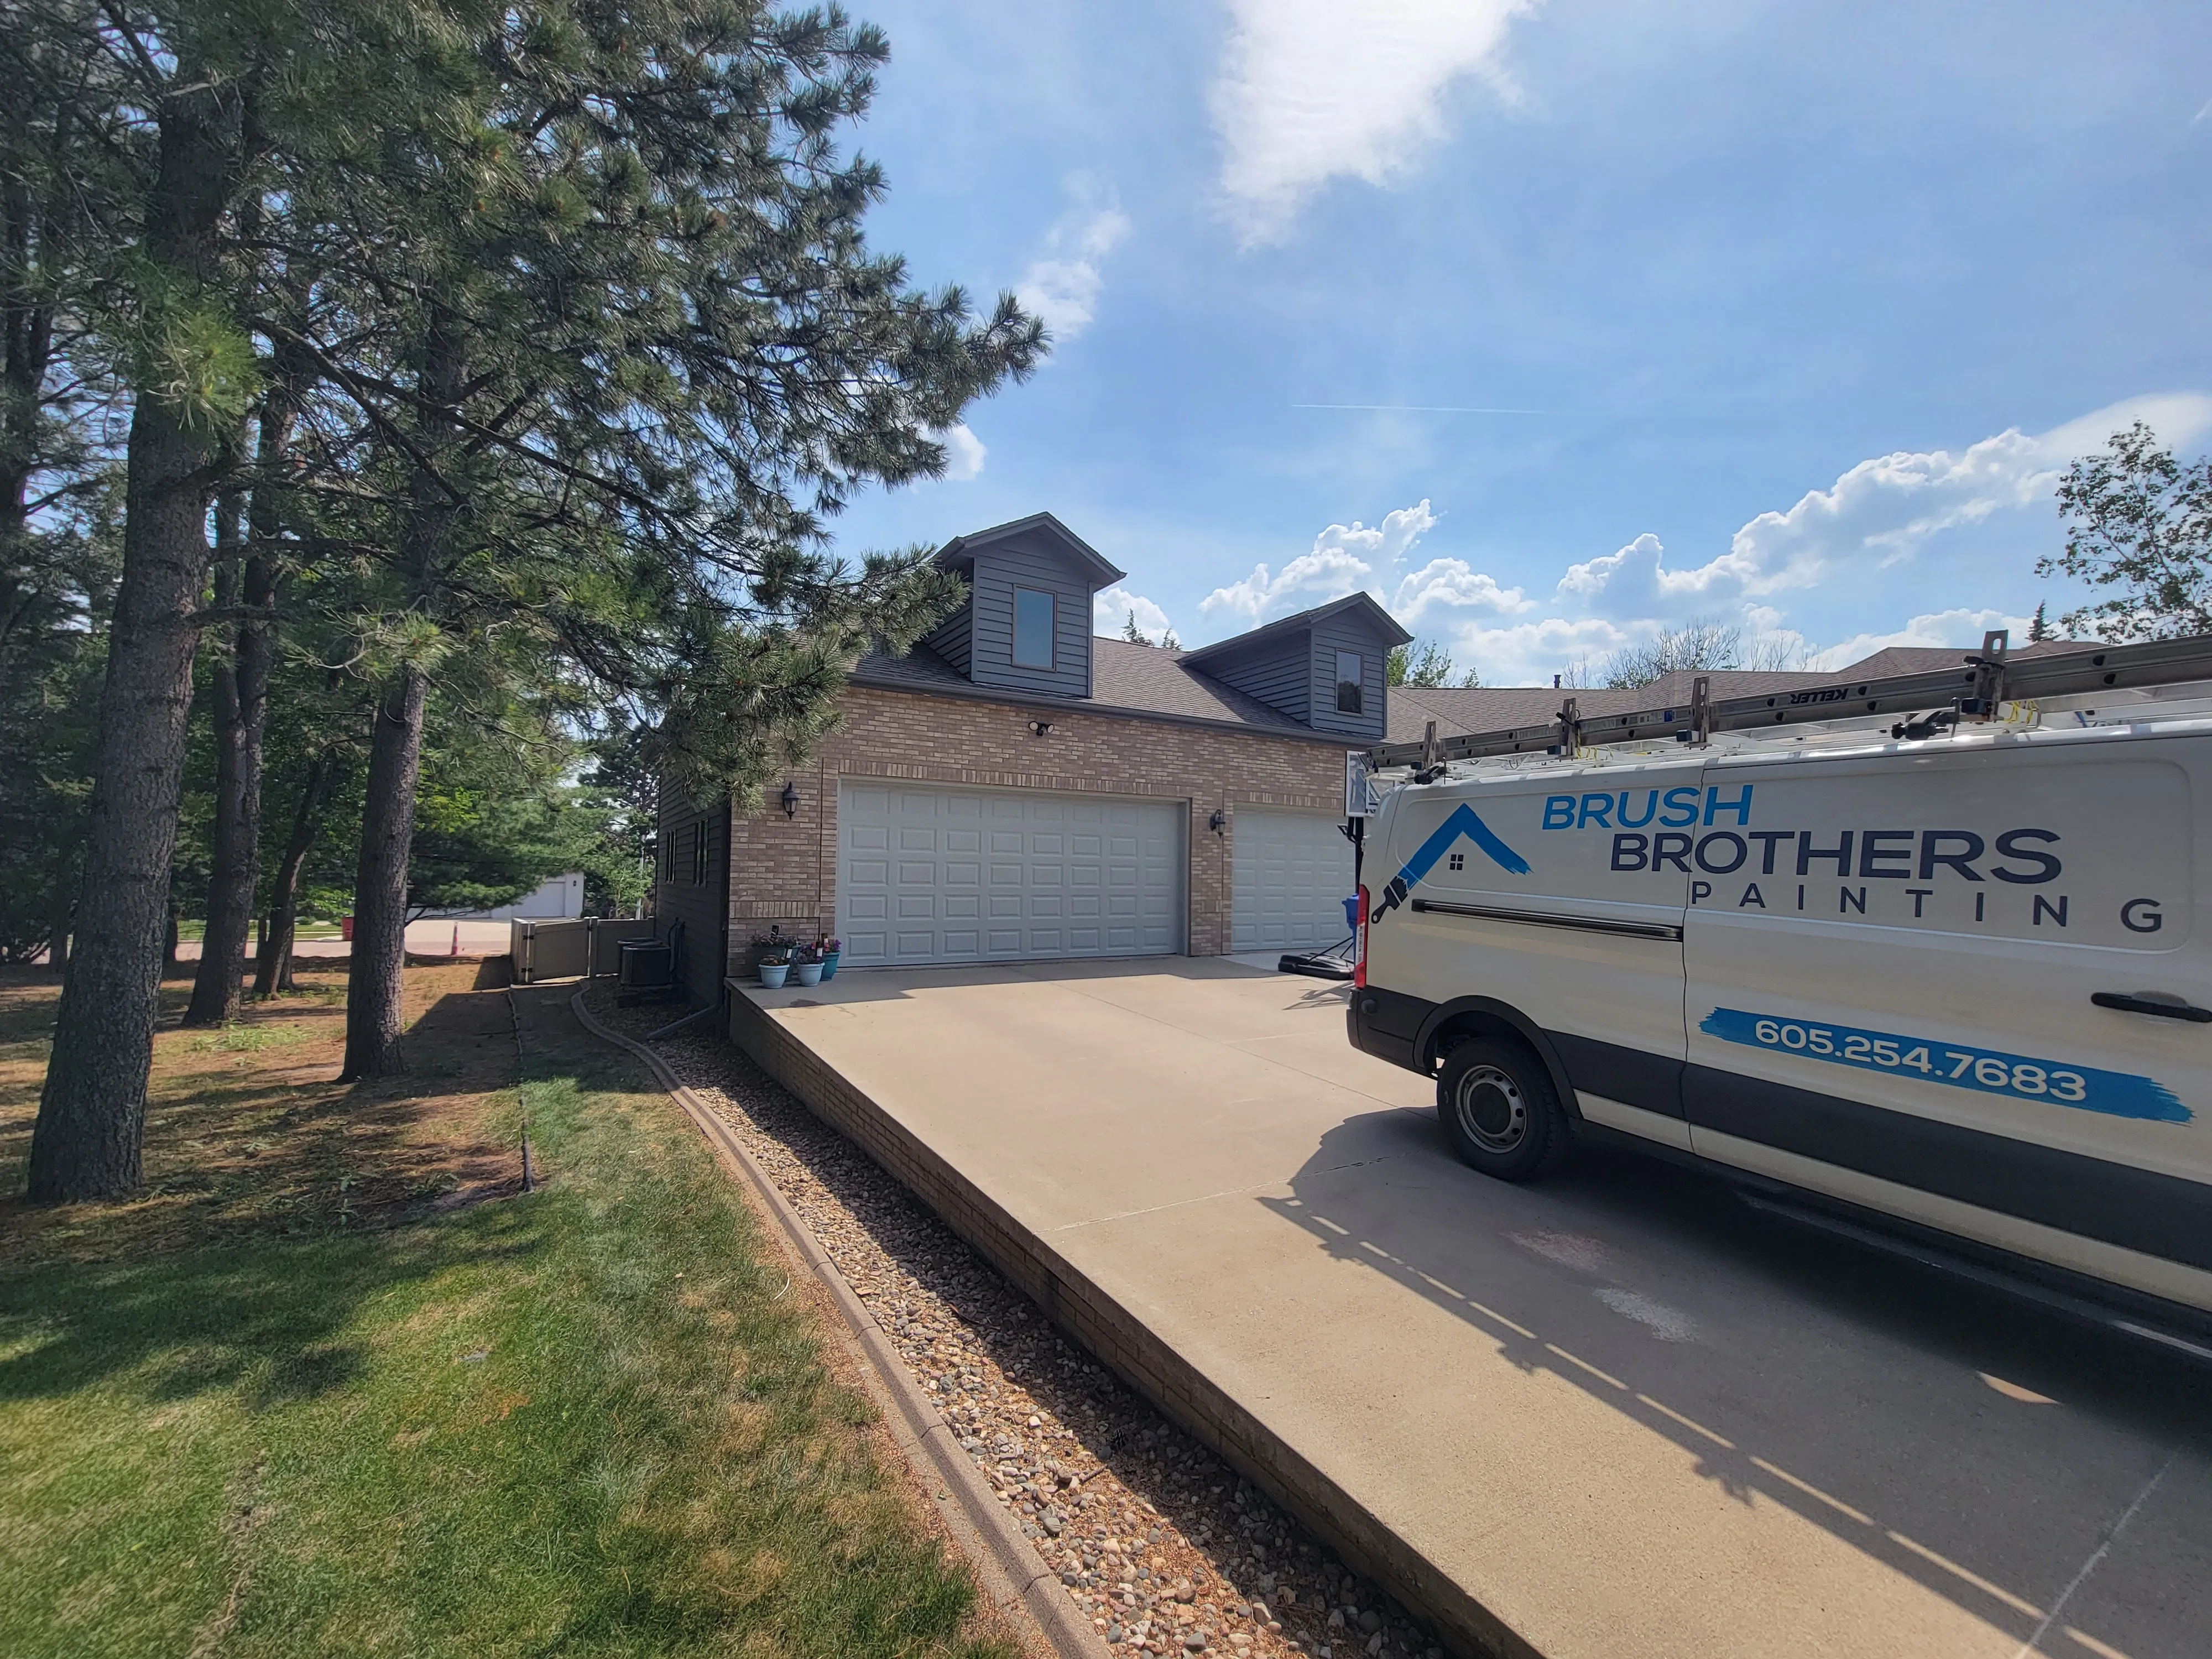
x: 276, y: 1202
x: 268, y: 1318
x: 248, y: 1133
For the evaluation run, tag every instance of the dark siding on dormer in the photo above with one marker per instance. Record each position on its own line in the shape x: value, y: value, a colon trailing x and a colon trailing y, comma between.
x: 1344, y: 632
x: 949, y: 638
x: 1281, y: 678
x: 1001, y: 569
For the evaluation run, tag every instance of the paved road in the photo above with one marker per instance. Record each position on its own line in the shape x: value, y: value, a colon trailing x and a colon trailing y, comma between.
x: 1634, y: 1419
x: 429, y: 937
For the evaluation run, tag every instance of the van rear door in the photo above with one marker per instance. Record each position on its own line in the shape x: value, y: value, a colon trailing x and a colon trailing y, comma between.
x: 1891, y: 966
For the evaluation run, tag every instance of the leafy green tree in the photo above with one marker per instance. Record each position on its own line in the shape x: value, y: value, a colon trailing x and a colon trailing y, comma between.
x: 1136, y: 635
x: 1433, y: 666
x: 2138, y: 520
x: 622, y: 786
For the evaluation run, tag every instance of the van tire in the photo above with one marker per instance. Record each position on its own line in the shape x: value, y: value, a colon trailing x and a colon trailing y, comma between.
x: 1500, y: 1110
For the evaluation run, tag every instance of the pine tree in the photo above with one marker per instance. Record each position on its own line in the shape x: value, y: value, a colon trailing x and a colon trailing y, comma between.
x: 2038, y: 630
x: 595, y: 349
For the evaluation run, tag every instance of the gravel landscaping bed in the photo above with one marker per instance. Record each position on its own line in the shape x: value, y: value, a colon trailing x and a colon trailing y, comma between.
x: 1164, y: 1548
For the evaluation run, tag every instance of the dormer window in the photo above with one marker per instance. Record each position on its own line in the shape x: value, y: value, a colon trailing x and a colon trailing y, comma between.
x: 1351, y: 670
x: 1033, y: 629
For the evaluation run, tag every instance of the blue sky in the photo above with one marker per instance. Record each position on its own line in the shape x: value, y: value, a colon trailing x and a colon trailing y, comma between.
x: 1795, y: 311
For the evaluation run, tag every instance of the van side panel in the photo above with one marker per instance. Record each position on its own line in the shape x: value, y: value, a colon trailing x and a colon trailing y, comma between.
x: 1898, y: 981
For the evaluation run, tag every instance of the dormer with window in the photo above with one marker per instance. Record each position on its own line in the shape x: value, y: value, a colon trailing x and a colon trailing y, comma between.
x: 1326, y: 668
x: 1026, y: 625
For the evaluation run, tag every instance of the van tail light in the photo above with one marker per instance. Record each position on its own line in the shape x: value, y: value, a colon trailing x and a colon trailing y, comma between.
x: 1359, y: 945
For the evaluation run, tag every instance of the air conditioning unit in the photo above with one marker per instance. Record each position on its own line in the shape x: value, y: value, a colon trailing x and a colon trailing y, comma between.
x: 645, y: 965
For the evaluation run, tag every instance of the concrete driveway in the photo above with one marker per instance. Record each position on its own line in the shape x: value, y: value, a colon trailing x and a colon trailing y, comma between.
x: 1628, y: 1416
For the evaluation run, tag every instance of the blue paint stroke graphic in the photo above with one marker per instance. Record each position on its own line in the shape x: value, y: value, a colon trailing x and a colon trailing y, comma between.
x: 2116, y: 1094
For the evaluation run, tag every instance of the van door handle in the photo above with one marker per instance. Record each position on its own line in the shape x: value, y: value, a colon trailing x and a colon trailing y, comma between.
x: 2176, y: 1009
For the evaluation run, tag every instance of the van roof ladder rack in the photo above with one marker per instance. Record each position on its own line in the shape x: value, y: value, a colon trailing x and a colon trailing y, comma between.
x: 1983, y: 680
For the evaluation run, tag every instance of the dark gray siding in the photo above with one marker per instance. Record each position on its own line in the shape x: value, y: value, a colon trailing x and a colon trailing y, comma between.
x: 949, y: 639
x: 680, y: 894
x: 1035, y: 563
x: 1281, y: 678
x: 1346, y: 632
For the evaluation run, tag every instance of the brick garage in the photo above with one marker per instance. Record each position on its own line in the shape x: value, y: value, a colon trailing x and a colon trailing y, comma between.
x: 783, y: 872
x: 1013, y: 701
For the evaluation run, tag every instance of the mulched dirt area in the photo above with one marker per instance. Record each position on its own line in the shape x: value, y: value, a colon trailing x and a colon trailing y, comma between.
x: 1165, y: 1548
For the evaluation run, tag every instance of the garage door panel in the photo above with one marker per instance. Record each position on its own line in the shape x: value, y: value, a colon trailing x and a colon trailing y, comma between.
x: 1008, y: 876
x: 1290, y: 874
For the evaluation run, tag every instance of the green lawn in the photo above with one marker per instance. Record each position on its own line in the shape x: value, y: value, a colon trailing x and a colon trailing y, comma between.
x: 293, y: 1410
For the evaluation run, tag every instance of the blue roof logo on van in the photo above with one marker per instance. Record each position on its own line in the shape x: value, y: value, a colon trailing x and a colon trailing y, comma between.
x: 1463, y: 823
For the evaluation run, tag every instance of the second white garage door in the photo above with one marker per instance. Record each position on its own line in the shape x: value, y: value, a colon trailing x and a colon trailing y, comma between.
x: 929, y: 875
x: 1290, y: 874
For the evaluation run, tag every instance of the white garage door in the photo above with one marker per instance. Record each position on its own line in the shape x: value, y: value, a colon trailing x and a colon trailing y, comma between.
x: 931, y: 875
x: 1289, y: 875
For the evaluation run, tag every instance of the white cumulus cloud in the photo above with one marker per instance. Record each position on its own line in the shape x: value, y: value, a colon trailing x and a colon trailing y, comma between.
x: 1942, y: 628
x: 1880, y: 513
x: 964, y: 453
x: 1452, y: 585
x: 1312, y: 91
x: 1112, y: 607
x: 1063, y: 284
x: 1343, y: 559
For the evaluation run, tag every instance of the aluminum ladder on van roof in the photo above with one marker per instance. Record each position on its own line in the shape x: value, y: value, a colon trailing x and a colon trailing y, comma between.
x: 1972, y: 690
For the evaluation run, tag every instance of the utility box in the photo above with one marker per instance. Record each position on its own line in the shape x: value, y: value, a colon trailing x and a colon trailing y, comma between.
x: 645, y: 965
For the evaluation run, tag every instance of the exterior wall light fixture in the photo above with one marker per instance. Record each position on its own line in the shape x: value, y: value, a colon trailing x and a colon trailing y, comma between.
x: 1040, y: 727
x: 789, y: 800
x: 1217, y: 821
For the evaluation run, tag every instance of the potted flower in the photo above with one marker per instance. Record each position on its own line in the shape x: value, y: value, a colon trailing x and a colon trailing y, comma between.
x: 829, y: 951
x: 806, y: 965
x: 774, y: 964
x: 766, y: 947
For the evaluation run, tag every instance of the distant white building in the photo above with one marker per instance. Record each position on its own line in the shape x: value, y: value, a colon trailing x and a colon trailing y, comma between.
x: 554, y: 899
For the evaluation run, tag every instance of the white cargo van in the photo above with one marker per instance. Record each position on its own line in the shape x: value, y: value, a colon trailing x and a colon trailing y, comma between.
x: 1965, y: 983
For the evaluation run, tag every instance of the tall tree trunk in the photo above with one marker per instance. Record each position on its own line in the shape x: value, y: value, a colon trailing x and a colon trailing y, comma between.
x: 230, y: 873
x: 92, y: 1112
x: 379, y: 894
x: 395, y: 757
x: 273, y: 973
x: 241, y: 720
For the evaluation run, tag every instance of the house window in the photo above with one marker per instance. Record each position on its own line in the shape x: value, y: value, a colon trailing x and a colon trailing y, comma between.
x: 1350, y: 670
x: 1032, y: 629
x: 699, y: 854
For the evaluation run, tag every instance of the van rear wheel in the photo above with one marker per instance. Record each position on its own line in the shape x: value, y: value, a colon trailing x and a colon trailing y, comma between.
x: 1499, y: 1109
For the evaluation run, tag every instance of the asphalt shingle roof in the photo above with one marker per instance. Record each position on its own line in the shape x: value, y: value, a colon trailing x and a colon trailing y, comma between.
x: 1125, y: 678
x: 1155, y: 682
